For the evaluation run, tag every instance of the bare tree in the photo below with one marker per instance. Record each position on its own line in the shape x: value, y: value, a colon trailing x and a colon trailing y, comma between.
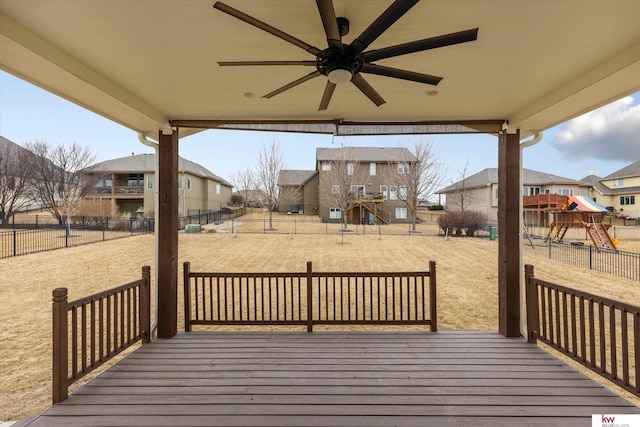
x: 460, y: 196
x: 61, y: 177
x: 340, y: 181
x: 421, y: 177
x: 244, y: 183
x: 16, y: 166
x: 270, y: 162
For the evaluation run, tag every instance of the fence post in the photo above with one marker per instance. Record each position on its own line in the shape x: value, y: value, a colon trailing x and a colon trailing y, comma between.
x: 60, y: 346
x: 432, y: 297
x: 15, y: 242
x: 309, y: 298
x: 187, y: 296
x: 590, y: 257
x: 531, y: 304
x: 145, y: 304
x: 549, y: 240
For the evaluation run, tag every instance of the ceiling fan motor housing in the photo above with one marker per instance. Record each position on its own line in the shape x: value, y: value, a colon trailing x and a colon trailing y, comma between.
x: 335, y: 59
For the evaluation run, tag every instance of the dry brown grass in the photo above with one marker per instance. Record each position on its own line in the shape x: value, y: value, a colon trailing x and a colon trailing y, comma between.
x: 467, y: 285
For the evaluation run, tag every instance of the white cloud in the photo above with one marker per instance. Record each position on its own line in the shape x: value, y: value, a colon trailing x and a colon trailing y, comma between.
x: 609, y: 133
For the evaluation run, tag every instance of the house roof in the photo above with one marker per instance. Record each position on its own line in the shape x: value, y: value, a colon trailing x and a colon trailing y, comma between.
x: 142, y: 163
x: 594, y: 181
x: 115, y: 64
x: 529, y: 177
x: 295, y: 177
x: 628, y: 171
x: 365, y: 154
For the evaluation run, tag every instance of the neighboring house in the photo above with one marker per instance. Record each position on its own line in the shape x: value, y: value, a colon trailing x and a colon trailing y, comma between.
x: 129, y: 182
x: 618, y: 191
x: 373, y: 177
x: 298, y: 191
x: 479, y: 192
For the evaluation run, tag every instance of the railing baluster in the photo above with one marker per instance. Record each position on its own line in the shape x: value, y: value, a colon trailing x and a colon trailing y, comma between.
x: 625, y: 345
x: 602, y: 330
x: 612, y: 342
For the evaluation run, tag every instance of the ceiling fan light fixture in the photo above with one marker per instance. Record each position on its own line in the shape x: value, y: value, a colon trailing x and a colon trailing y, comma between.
x: 339, y: 76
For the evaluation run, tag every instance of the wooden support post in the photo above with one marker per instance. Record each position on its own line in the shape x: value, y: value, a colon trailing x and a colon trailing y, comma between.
x: 509, y: 233
x: 432, y: 296
x: 533, y: 321
x: 309, y: 298
x: 60, y: 346
x: 168, y: 235
x: 145, y: 305
x: 187, y: 296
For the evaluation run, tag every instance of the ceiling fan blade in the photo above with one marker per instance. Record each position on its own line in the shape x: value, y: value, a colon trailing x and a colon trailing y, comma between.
x: 420, y: 45
x: 326, y: 96
x: 366, y: 88
x: 382, y: 23
x: 242, y: 63
x: 265, y: 27
x: 400, y: 74
x: 292, y: 84
x: 330, y: 22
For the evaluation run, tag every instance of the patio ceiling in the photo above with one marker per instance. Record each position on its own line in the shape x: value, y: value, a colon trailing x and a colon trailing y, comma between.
x: 148, y: 62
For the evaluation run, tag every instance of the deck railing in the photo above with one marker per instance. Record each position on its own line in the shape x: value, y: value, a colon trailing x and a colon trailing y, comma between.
x: 89, y: 331
x: 600, y: 333
x: 310, y: 298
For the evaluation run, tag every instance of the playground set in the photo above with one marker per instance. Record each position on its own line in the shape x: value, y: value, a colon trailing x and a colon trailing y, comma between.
x: 573, y: 212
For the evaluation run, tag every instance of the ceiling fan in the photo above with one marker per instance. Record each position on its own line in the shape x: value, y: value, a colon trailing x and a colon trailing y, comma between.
x: 343, y: 63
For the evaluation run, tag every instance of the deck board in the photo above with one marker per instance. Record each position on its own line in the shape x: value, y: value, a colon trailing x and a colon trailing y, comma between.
x: 337, y: 379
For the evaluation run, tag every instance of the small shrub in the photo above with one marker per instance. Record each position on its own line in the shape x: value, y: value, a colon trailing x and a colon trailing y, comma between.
x: 455, y: 222
x: 436, y: 208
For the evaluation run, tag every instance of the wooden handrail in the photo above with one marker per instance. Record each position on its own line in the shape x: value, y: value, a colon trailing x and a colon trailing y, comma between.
x: 100, y: 326
x: 310, y: 298
x: 600, y: 333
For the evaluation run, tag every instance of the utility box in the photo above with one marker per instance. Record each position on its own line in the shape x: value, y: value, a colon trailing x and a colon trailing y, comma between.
x: 192, y: 228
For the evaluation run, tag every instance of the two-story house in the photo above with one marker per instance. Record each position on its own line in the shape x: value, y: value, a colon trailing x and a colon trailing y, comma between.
x: 353, y: 184
x: 129, y: 182
x: 480, y: 191
x: 619, y: 190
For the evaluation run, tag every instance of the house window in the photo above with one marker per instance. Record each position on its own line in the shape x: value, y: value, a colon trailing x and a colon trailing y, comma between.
x: 393, y: 193
x: 350, y: 168
x: 618, y: 182
x: 532, y: 191
x: 372, y: 169
x: 326, y: 166
x: 401, y: 213
x: 496, y: 193
x: 403, y: 192
x: 357, y: 191
x: 217, y: 188
x: 383, y: 191
x: 334, y: 213
x: 335, y: 189
x: 179, y: 182
x: 627, y: 200
x: 188, y: 183
x: 149, y: 183
x: 565, y: 191
x: 403, y: 168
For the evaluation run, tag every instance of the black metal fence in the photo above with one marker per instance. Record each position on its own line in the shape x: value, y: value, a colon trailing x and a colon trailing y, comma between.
x: 26, y: 241
x: 616, y: 263
x: 209, y: 217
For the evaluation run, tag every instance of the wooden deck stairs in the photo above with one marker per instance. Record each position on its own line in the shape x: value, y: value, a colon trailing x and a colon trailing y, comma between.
x: 373, y: 207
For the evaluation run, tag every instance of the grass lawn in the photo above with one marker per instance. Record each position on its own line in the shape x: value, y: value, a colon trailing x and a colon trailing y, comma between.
x: 467, y: 284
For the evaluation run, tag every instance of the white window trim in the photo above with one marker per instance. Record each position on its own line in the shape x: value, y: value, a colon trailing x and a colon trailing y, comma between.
x: 401, y: 213
x: 150, y: 182
x: 335, y: 189
x: 402, y: 192
x: 372, y: 169
x: 218, y: 189
x: 403, y: 168
x: 393, y: 192
x: 335, y: 213
x: 326, y: 166
x: 351, y: 168
x: 384, y: 190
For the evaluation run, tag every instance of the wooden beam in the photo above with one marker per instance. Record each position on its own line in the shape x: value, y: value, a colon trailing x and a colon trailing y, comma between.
x: 167, y: 235
x: 509, y: 233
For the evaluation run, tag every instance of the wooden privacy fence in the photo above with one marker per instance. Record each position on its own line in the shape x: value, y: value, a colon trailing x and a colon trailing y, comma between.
x: 310, y: 298
x: 600, y: 333
x: 89, y: 331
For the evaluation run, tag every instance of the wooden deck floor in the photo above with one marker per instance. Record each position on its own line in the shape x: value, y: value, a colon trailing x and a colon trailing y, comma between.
x: 338, y: 379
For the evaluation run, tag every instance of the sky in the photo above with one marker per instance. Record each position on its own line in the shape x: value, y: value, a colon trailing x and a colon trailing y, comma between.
x: 599, y: 142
